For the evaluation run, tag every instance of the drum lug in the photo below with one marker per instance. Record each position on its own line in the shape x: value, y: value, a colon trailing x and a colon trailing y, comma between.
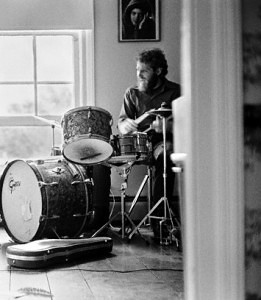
x: 88, y: 181
x: 58, y: 170
x: 43, y: 217
x: 76, y: 182
x: 79, y: 215
x: 39, y: 162
x: 41, y: 184
x: 54, y: 217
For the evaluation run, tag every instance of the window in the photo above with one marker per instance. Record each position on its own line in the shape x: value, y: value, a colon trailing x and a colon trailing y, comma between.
x: 42, y: 75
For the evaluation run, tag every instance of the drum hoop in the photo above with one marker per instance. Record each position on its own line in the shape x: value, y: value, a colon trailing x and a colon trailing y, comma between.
x: 83, y: 137
x: 140, y: 133
x: 88, y: 108
x: 87, y: 164
x: 144, y: 134
x: 7, y: 167
x: 127, y: 159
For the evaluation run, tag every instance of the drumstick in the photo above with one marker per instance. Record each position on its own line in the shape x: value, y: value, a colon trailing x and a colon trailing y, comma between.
x: 146, y: 114
x: 90, y: 156
x: 49, y: 122
x: 142, y: 117
x: 148, y: 129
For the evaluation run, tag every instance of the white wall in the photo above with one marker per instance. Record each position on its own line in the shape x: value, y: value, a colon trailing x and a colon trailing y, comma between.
x: 115, y: 67
x: 115, y: 61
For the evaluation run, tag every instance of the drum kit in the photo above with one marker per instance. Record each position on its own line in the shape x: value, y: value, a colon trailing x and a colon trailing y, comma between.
x: 46, y: 198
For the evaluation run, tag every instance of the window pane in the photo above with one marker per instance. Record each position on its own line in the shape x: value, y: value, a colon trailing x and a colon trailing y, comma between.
x: 27, y: 142
x: 55, y: 99
x: 16, y: 100
x: 16, y: 59
x: 55, y: 58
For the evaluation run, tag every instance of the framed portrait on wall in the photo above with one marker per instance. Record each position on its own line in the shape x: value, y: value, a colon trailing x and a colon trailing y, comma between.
x: 139, y: 20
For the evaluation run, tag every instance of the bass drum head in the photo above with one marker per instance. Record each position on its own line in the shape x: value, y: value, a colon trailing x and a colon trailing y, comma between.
x: 87, y: 151
x: 21, y: 201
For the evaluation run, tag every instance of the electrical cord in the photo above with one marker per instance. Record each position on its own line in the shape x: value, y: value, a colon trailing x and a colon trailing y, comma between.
x: 132, y: 271
x: 106, y: 271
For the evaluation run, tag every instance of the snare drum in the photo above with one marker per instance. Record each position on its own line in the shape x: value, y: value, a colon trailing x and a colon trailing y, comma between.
x: 86, y: 133
x: 134, y: 144
x: 44, y: 198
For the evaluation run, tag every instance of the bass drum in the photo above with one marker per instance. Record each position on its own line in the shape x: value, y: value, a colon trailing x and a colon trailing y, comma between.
x: 45, y: 199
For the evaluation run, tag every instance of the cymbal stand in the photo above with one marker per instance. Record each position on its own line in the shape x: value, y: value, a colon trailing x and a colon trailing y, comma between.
x: 124, y: 171
x: 53, y: 124
x: 167, y: 211
x: 53, y: 141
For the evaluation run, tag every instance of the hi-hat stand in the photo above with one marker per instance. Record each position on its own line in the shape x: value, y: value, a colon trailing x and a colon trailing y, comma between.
x: 168, y: 214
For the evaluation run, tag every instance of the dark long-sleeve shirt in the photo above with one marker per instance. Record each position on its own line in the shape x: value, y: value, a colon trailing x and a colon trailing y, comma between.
x: 136, y: 103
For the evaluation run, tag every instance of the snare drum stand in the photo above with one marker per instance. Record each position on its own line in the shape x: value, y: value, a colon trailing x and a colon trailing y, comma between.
x: 124, y: 171
x: 167, y: 211
x: 146, y: 179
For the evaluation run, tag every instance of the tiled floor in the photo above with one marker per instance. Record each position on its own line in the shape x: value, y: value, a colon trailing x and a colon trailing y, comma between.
x: 133, y: 270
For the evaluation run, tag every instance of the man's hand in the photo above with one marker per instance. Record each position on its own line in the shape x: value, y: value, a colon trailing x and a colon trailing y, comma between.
x: 157, y: 125
x: 127, y: 126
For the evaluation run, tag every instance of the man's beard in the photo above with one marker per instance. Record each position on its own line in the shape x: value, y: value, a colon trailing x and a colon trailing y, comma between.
x: 147, y: 86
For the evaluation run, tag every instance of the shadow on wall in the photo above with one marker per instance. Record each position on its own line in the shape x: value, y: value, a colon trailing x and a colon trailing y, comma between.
x: 252, y: 146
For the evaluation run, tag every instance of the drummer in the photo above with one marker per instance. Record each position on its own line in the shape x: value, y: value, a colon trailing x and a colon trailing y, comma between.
x: 152, y: 91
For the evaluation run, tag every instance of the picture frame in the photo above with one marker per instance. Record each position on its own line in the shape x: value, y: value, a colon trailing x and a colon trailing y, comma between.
x: 139, y: 20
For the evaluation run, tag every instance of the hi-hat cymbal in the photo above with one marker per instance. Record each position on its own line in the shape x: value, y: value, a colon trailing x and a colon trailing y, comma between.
x: 160, y: 111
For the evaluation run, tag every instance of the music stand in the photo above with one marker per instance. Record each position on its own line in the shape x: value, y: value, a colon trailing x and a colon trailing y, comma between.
x: 163, y: 114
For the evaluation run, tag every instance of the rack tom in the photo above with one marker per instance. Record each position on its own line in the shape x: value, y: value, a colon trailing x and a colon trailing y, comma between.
x: 86, y: 133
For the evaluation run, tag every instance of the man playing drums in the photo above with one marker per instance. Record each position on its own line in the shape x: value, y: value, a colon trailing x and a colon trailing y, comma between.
x: 152, y: 91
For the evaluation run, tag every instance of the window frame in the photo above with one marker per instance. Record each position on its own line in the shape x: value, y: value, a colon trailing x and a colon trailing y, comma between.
x: 83, y: 59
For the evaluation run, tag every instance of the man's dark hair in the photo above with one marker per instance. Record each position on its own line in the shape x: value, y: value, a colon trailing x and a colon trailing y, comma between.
x: 155, y: 58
